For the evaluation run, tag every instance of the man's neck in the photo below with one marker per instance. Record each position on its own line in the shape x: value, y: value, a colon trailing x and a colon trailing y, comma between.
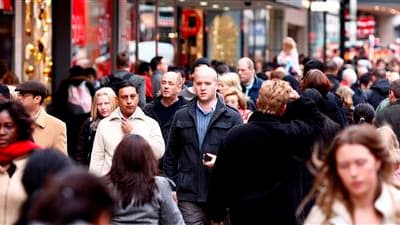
x: 207, y: 106
x: 250, y: 81
x: 34, y: 112
x: 169, y: 101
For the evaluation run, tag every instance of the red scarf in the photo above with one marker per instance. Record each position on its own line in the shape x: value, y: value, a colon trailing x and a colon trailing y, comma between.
x: 15, y: 150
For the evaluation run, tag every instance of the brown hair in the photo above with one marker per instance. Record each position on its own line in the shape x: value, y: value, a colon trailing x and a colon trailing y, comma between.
x: 133, y: 171
x: 316, y: 79
x: 327, y: 184
x: 241, y: 97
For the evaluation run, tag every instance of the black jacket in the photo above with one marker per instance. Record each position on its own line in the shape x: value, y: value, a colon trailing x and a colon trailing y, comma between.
x: 183, y: 157
x: 254, y: 169
x: 391, y: 116
x: 379, y: 91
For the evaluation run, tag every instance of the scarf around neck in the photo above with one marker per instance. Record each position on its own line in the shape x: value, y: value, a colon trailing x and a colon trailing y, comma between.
x: 15, y: 150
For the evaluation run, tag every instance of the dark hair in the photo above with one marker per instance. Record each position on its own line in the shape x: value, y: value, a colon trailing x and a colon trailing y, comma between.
x: 199, y: 62
x: 395, y: 88
x: 222, y: 68
x: 72, y: 196
x: 76, y: 71
x: 379, y: 73
x: 5, y: 91
x: 363, y: 112
x: 316, y: 79
x: 122, y: 59
x: 20, y: 117
x: 312, y: 63
x: 90, y: 71
x: 133, y: 170
x: 41, y: 166
x: 155, y: 61
x: 123, y: 84
x: 144, y: 67
x: 331, y: 66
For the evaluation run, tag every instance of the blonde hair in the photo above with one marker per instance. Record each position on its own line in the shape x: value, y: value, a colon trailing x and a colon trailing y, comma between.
x: 241, y: 97
x: 103, y: 91
x: 346, y: 95
x: 390, y: 140
x: 231, y: 79
x: 272, y: 95
x: 289, y: 43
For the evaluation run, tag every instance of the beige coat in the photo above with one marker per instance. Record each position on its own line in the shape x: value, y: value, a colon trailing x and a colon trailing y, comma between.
x: 109, y: 134
x: 50, y: 132
x: 387, y: 204
x: 12, y: 193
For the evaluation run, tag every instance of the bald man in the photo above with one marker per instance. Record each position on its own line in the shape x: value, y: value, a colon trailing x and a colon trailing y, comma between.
x: 250, y: 81
x: 197, y: 132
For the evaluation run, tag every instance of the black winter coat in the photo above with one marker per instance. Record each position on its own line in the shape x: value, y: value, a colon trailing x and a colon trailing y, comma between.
x: 254, y: 169
x: 183, y: 157
x: 379, y: 91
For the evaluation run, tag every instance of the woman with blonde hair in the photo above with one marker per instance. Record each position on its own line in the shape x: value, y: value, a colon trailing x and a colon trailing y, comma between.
x: 228, y: 80
x: 236, y: 99
x: 355, y: 184
x: 104, y: 102
x: 390, y: 139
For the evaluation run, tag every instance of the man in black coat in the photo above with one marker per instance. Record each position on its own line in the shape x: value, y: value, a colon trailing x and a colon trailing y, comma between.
x: 252, y: 174
x: 197, y: 132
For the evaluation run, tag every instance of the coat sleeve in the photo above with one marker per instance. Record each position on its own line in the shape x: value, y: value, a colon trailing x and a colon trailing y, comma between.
x: 169, y: 212
x: 142, y: 93
x: 172, y: 152
x: 97, y: 159
x: 82, y: 148
x: 156, y: 140
x: 61, y: 139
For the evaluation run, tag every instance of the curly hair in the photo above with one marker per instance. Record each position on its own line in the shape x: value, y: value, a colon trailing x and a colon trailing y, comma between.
x: 272, y: 95
x: 20, y: 117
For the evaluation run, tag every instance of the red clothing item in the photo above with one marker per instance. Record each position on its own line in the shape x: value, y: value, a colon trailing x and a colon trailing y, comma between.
x: 15, y: 150
x: 149, y: 86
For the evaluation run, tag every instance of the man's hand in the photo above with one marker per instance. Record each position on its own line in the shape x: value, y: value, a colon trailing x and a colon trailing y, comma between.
x: 210, y: 163
x: 126, y: 127
x: 174, y: 197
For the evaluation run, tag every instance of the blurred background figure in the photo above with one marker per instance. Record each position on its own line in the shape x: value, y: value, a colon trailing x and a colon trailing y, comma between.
x: 15, y: 148
x: 143, y: 197
x: 104, y: 102
x: 289, y: 57
x: 41, y: 166
x: 363, y: 113
x: 237, y: 100
x: 357, y: 181
x: 73, y: 197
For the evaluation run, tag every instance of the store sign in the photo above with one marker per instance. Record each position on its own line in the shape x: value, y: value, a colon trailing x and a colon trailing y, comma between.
x: 365, y: 26
x: 78, y: 23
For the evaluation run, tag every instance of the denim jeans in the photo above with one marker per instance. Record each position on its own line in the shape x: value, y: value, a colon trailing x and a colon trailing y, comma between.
x: 193, y: 213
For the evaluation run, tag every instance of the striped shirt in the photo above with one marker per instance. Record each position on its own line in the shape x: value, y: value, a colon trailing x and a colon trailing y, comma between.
x: 203, y: 119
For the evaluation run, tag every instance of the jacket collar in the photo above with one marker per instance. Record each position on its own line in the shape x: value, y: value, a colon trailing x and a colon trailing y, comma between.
x: 41, y: 118
x: 138, y: 114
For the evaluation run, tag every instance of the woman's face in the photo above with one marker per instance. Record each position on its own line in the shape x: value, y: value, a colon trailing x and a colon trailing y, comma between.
x: 232, y: 101
x: 8, y: 129
x: 103, y: 105
x: 222, y: 87
x: 358, y: 169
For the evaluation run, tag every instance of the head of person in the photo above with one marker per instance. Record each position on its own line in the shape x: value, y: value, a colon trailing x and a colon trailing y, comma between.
x: 171, y: 84
x: 4, y: 92
x: 31, y: 94
x: 278, y: 73
x: 273, y: 97
x: 144, y: 69
x: 331, y: 68
x: 394, y: 91
x: 349, y: 76
x: 159, y: 63
x: 227, y: 81
x: 355, y: 166
x: 123, y: 60
x: 378, y: 74
x: 42, y: 165
x: 104, y: 102
x: 346, y: 95
x: 15, y: 123
x: 235, y: 98
x: 91, y: 74
x: 205, y: 83
x: 200, y: 62
x: 316, y: 79
x: 246, y: 70
x: 71, y: 196
x: 312, y: 63
x: 363, y: 113
x: 222, y: 68
x: 390, y: 140
x: 133, y: 170
x: 127, y: 97
x: 380, y: 63
x: 288, y: 44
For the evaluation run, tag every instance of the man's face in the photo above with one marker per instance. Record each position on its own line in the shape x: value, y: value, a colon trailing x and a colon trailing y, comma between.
x: 128, y: 100
x: 29, y: 101
x: 170, y: 86
x: 163, y: 66
x: 205, y: 84
x: 245, y: 73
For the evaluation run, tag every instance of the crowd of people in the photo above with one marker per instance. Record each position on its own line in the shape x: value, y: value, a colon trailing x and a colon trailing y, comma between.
x: 300, y: 142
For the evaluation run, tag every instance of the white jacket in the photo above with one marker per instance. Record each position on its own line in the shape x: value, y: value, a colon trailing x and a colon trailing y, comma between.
x: 109, y: 134
x: 388, y: 204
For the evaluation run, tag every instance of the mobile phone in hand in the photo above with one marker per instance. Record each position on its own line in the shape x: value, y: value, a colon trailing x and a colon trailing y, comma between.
x: 206, y: 158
